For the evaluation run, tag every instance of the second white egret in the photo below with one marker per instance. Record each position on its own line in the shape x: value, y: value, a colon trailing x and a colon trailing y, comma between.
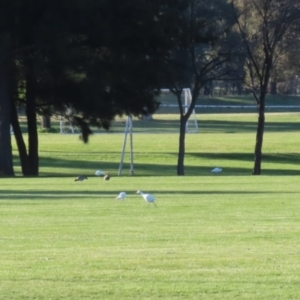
x: 99, y: 173
x: 216, y: 170
x: 147, y: 197
x: 121, y: 196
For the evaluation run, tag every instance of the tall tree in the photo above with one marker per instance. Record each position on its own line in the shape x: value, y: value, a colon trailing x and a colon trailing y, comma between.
x: 202, y: 55
x: 100, y: 58
x: 31, y: 31
x: 263, y: 25
x: 6, y: 166
x: 6, y: 73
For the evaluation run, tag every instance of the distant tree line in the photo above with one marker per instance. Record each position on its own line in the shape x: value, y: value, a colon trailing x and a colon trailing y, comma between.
x: 100, y: 59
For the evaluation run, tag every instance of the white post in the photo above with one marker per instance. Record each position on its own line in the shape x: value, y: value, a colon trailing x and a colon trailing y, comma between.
x: 188, y: 101
x: 124, y: 146
x: 186, y: 107
x: 131, y: 147
x: 61, y: 125
x: 194, y: 113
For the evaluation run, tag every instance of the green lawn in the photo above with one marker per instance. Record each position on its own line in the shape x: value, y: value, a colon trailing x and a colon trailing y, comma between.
x: 227, y: 236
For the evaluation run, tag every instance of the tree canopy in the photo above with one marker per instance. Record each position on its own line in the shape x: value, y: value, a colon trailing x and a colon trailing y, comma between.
x: 93, y: 60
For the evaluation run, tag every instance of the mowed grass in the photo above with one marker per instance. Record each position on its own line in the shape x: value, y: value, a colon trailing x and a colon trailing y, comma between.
x: 227, y: 236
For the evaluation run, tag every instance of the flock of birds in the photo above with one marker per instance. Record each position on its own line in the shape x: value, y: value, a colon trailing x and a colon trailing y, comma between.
x: 122, y: 196
x: 147, y: 197
x: 106, y: 176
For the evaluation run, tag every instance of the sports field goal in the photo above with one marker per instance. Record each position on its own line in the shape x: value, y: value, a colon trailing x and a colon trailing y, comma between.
x: 65, y: 126
x: 128, y: 130
x: 170, y: 105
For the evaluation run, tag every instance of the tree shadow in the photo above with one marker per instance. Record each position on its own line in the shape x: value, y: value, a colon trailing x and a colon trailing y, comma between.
x: 221, y: 126
x: 69, y: 167
x: 71, y: 195
x: 213, y: 125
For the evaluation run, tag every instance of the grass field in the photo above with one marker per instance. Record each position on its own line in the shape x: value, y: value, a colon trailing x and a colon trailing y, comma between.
x: 227, y: 236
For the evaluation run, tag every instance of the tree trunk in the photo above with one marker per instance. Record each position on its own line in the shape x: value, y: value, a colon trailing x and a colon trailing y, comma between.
x: 6, y: 159
x: 273, y: 87
x: 212, y: 87
x: 259, y: 137
x: 207, y: 88
x: 32, y: 122
x: 25, y: 164
x: 239, y: 86
x: 46, y: 122
x: 181, y: 152
x: 226, y: 88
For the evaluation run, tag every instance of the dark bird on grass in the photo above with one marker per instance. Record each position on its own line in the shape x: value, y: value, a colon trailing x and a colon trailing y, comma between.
x: 81, y: 178
x: 106, y: 176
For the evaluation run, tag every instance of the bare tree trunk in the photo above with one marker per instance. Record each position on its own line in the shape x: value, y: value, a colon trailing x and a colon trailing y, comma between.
x: 273, y: 87
x: 259, y: 137
x: 32, y: 122
x: 181, y: 152
x: 239, y: 87
x: 6, y: 160
x: 46, y: 122
x: 25, y: 164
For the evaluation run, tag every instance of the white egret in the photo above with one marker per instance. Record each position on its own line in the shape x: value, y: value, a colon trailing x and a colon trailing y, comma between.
x: 121, y: 196
x: 147, y: 197
x: 81, y: 178
x: 99, y: 173
x: 216, y: 170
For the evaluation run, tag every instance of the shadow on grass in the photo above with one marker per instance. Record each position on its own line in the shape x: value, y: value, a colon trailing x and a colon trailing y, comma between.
x: 69, y: 167
x: 98, y: 195
x: 215, y: 124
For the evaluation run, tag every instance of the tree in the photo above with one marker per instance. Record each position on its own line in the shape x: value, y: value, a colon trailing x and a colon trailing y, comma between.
x: 6, y: 73
x: 100, y: 58
x: 113, y: 63
x: 202, y: 55
x: 286, y: 66
x: 263, y: 25
x: 34, y: 32
x: 6, y: 166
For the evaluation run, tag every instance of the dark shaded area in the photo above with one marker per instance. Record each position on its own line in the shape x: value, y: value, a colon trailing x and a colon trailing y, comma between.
x: 159, y: 169
x: 214, y: 125
x: 75, y: 195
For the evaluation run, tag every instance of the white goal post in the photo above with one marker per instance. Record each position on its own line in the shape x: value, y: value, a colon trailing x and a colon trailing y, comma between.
x: 66, y: 126
x: 192, y: 123
x: 129, y: 127
x: 128, y: 130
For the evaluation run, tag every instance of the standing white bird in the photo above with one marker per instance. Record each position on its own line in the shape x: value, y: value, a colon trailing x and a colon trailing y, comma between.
x: 216, y: 170
x: 99, y: 173
x: 147, y: 197
x: 121, y: 196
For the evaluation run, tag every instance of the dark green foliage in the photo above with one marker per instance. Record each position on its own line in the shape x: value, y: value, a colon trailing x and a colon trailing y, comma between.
x: 102, y: 59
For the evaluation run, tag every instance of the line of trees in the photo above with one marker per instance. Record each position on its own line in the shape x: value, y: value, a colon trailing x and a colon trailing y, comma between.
x: 111, y: 57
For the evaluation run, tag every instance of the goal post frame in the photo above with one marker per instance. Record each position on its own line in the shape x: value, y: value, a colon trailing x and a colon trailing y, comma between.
x: 128, y: 130
x: 65, y: 126
x: 187, y: 102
